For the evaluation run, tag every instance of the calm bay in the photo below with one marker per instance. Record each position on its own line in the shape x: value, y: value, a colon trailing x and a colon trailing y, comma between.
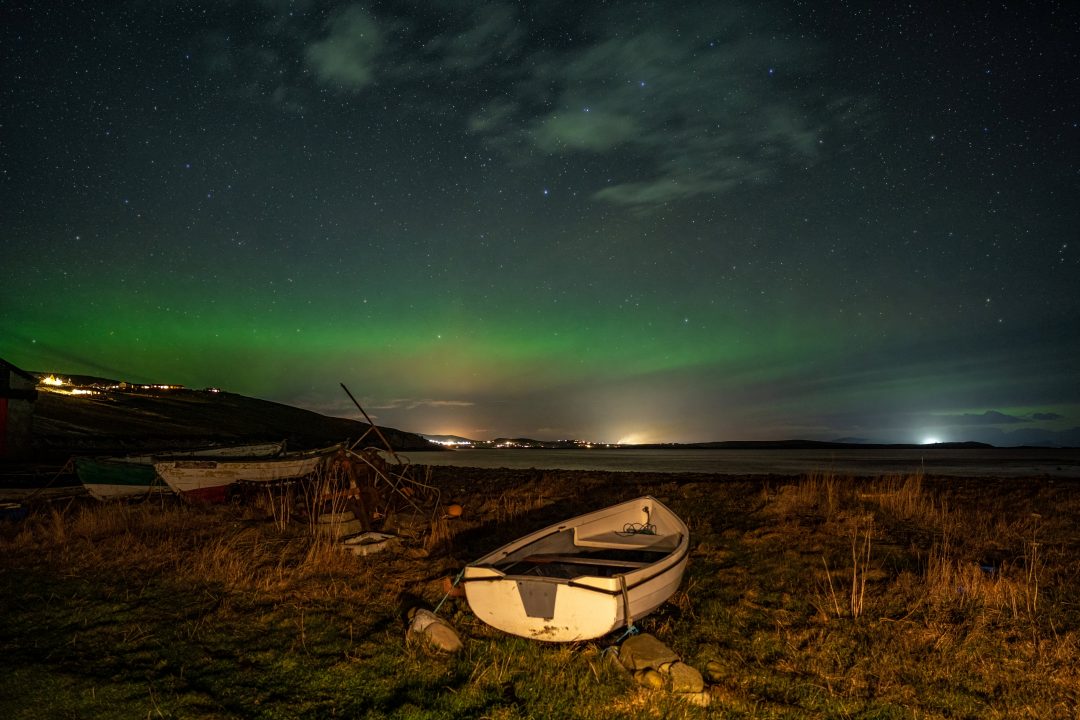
x: 982, y: 462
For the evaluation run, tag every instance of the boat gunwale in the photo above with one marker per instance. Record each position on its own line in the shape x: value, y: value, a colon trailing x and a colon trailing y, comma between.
x: 660, y: 570
x: 635, y: 578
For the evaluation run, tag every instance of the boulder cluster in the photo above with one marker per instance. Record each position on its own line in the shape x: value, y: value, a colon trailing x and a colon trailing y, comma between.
x: 654, y: 665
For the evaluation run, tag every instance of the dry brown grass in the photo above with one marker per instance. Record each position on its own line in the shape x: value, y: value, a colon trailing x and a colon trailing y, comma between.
x: 957, y: 586
x: 820, y: 494
x: 234, y: 549
x: 952, y: 579
x: 512, y: 504
x: 822, y: 597
x: 440, y: 535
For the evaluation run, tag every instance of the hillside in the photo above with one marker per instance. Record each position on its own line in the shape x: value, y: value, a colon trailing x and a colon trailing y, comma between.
x: 119, y: 421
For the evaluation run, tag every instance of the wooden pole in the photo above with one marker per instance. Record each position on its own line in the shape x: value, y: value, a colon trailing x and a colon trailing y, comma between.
x: 372, y: 424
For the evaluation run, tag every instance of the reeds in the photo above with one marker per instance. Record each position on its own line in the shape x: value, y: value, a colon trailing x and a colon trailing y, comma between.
x: 954, y: 581
x: 860, y: 537
x: 933, y: 601
x: 511, y: 505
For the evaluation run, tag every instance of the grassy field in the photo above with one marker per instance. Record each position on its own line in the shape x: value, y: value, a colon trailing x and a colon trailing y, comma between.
x: 817, y: 596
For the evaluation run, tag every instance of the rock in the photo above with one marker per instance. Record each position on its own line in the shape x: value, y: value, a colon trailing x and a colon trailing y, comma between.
x: 369, y: 543
x: 645, y: 651
x: 649, y: 678
x: 684, y: 679
x: 611, y: 657
x: 714, y: 670
x: 411, y: 524
x: 432, y: 631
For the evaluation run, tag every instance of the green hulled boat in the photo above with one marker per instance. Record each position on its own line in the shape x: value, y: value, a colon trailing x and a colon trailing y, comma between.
x: 108, y: 478
x: 116, y: 477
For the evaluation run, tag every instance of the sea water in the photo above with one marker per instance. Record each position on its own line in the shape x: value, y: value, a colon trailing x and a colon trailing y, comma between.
x: 990, y: 462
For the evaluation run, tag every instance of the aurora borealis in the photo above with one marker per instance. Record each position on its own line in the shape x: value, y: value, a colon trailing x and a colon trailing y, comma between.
x: 610, y: 221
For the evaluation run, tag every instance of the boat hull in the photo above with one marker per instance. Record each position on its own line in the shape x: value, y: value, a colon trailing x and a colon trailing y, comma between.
x: 575, y: 580
x: 111, y: 478
x: 209, y: 480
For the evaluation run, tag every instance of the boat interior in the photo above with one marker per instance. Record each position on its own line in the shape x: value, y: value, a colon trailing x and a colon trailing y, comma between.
x: 565, y: 554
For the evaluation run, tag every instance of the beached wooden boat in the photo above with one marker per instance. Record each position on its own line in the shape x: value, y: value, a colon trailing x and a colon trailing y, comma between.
x: 12, y: 512
x: 584, y: 577
x: 208, y: 479
x: 109, y: 478
x: 117, y: 477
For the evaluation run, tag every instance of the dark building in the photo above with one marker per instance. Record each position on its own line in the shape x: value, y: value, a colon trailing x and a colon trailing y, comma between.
x: 18, y: 392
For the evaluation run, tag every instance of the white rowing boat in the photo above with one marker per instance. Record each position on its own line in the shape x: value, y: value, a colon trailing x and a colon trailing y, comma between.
x: 108, y: 478
x: 584, y: 577
x: 207, y: 480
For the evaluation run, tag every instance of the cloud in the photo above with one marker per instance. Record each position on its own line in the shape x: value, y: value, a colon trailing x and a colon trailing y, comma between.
x: 584, y: 130
x: 661, y: 190
x: 672, y: 102
x: 493, y: 116
x: 413, y: 404
x: 1046, y: 416
x: 1029, y: 436
x: 990, y: 417
x: 693, y: 113
x: 347, y: 55
x: 490, y: 32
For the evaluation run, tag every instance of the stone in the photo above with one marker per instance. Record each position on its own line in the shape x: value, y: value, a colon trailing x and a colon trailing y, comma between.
x: 338, y: 530
x: 433, y: 632
x: 684, y: 679
x: 649, y: 678
x: 714, y: 670
x: 645, y: 651
x: 611, y: 657
x: 369, y: 543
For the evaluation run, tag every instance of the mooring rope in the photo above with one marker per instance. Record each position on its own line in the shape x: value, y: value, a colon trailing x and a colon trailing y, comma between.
x: 630, y: 630
x: 452, y: 586
x: 632, y: 528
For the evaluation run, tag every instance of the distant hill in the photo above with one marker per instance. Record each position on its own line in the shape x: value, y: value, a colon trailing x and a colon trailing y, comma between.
x: 448, y: 439
x: 812, y: 445
x: 131, y: 421
x: 845, y: 443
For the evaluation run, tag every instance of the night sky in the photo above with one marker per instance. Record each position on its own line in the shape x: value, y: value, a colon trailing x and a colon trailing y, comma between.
x: 612, y: 221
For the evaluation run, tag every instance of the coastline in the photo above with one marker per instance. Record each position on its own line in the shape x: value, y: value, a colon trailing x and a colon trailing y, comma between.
x: 857, y: 462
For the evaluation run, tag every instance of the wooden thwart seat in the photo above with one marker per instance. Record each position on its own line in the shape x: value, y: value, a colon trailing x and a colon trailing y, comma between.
x: 579, y: 560
x: 615, y: 540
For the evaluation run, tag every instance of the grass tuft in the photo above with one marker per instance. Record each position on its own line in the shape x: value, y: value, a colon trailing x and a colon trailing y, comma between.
x: 824, y: 596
